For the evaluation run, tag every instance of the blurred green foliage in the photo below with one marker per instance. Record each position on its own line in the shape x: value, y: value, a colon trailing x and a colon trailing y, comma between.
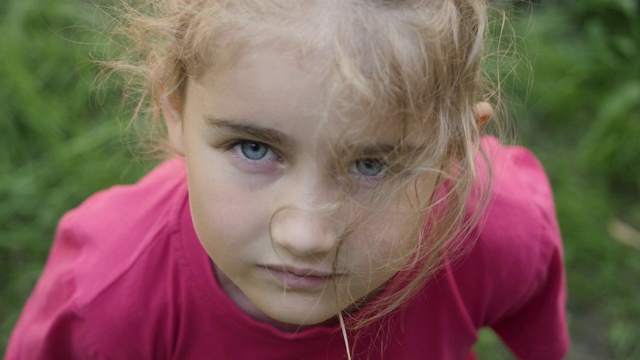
x: 62, y: 142
x: 587, y: 85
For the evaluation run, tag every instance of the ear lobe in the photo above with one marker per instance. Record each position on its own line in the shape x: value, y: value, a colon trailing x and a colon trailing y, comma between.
x: 173, y: 120
x: 483, y: 113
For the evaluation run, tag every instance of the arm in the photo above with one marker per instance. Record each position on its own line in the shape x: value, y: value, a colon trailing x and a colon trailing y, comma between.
x: 521, y: 250
x: 538, y: 329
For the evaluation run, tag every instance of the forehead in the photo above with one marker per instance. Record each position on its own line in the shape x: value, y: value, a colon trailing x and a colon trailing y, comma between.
x: 274, y: 79
x: 364, y: 59
x: 289, y: 89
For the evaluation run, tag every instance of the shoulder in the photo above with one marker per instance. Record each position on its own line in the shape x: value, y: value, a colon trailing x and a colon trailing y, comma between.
x: 113, y: 228
x: 517, y: 238
x: 131, y: 206
x: 520, y: 213
x: 106, y: 261
x: 512, y: 278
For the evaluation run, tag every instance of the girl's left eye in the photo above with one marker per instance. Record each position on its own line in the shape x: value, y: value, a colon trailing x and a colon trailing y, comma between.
x: 369, y: 167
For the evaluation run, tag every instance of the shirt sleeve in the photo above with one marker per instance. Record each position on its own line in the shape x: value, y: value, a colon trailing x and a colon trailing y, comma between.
x: 542, y: 316
x: 536, y: 327
x: 50, y: 326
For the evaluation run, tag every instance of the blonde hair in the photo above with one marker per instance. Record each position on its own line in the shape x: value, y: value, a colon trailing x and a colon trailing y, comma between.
x: 415, y: 60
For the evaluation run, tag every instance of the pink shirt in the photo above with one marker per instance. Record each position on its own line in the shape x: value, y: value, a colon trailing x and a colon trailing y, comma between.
x: 128, y: 279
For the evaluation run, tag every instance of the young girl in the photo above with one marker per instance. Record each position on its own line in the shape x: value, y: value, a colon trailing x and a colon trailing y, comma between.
x: 330, y: 197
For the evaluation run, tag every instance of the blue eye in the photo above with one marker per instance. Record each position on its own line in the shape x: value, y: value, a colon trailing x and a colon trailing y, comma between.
x: 254, y: 150
x: 370, y: 167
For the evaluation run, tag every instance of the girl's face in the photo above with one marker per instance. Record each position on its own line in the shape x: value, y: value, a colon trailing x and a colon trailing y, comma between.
x: 259, y: 163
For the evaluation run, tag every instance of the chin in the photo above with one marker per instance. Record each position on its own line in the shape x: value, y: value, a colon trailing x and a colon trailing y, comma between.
x: 287, y: 317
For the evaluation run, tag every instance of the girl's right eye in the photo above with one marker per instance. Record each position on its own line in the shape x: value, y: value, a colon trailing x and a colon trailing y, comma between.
x: 254, y: 156
x: 252, y: 150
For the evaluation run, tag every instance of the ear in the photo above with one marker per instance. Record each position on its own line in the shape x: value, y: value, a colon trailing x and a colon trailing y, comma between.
x: 173, y: 119
x: 483, y: 112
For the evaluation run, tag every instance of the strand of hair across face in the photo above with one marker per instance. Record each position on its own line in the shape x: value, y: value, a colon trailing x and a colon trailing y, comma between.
x: 344, y: 334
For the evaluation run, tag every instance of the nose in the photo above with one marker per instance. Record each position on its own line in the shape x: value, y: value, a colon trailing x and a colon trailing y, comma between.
x: 304, y: 226
x: 303, y: 233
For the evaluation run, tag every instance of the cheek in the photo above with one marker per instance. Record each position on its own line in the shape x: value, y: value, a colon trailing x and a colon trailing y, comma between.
x: 396, y: 231
x: 386, y: 243
x: 375, y: 253
x: 225, y: 215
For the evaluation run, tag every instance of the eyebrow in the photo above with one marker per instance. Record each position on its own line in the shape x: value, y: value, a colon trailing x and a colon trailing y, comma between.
x: 243, y: 127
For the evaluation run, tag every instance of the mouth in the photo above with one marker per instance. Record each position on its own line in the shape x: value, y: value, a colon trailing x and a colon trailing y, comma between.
x: 300, y: 278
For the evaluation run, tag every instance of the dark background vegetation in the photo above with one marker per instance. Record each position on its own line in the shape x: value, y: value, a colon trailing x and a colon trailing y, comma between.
x: 576, y: 104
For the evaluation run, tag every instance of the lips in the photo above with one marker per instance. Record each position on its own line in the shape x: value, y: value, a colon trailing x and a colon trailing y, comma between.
x: 300, y: 271
x: 300, y: 278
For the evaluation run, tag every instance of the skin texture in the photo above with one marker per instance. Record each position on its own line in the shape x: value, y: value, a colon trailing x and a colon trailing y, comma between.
x: 261, y: 160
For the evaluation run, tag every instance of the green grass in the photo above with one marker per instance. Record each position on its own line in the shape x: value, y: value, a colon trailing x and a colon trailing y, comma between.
x: 63, y: 141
